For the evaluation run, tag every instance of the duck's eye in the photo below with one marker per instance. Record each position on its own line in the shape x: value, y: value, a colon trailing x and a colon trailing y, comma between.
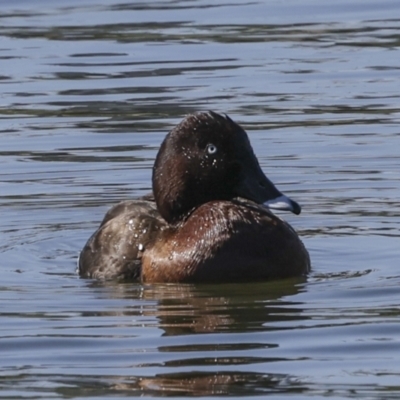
x: 211, y: 148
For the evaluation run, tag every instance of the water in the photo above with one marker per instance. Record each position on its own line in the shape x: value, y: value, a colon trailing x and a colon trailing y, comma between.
x: 88, y: 91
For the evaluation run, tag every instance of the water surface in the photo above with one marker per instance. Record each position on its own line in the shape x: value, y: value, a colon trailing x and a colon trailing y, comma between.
x: 88, y: 91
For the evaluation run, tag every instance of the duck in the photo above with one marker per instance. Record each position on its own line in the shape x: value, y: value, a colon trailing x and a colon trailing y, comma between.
x: 209, y: 218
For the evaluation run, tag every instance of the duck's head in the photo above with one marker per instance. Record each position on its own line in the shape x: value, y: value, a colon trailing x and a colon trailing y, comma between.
x: 209, y: 157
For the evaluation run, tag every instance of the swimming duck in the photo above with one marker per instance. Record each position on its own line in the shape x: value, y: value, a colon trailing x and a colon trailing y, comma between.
x: 210, y: 219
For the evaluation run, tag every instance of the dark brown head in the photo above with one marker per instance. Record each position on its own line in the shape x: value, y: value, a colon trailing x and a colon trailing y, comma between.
x: 209, y: 157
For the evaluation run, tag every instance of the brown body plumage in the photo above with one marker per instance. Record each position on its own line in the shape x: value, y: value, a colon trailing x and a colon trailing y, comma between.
x: 207, y: 223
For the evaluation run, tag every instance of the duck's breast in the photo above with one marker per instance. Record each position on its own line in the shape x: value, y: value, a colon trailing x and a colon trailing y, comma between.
x: 225, y: 241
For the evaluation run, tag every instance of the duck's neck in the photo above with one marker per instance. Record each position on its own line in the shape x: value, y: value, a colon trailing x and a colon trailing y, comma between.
x: 169, y: 187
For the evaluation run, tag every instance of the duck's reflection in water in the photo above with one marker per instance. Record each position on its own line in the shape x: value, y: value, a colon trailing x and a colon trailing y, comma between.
x: 184, y: 309
x: 188, y: 308
x: 214, y: 384
x: 211, y: 364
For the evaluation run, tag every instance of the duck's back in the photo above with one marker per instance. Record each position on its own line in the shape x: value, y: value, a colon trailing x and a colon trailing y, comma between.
x: 115, y: 249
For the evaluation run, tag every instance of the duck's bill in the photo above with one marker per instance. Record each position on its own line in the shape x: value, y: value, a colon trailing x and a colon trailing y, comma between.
x: 254, y: 185
x: 257, y: 187
x: 261, y: 190
x: 283, y: 203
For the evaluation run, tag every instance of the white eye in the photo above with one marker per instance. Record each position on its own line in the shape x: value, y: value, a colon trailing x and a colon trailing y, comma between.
x: 211, y: 149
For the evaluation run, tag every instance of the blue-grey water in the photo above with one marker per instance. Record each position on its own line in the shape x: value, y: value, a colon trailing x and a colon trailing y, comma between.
x: 88, y: 89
